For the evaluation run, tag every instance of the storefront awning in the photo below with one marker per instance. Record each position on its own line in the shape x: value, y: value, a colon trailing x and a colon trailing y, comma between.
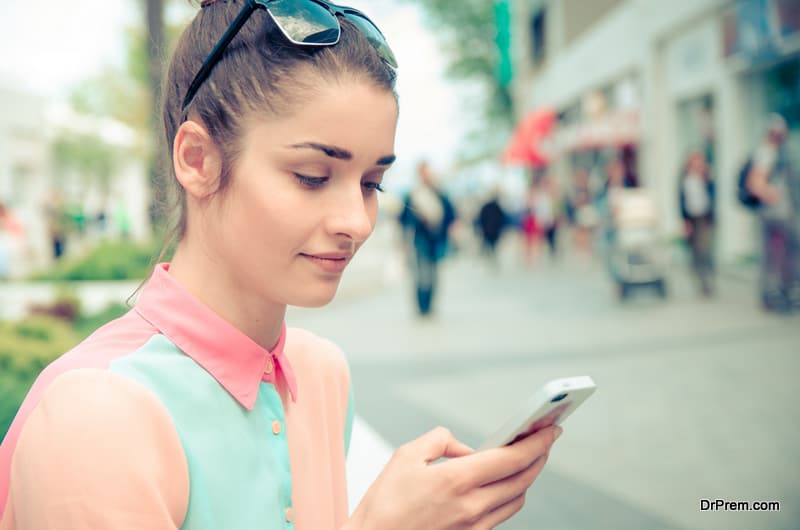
x: 526, y: 145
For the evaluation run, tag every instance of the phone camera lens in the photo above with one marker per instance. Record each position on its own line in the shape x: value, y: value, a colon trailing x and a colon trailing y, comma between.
x: 558, y: 398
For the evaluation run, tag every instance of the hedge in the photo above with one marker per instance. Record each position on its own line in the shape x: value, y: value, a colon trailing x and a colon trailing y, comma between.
x: 109, y: 260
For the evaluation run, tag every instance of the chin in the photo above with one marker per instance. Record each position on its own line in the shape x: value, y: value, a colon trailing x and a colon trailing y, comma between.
x: 317, y: 298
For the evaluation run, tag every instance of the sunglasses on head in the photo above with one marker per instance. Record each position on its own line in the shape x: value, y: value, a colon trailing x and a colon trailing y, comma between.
x: 303, y: 22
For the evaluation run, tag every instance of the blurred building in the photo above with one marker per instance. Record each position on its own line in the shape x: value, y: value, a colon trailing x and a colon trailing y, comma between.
x: 660, y: 78
x: 24, y: 170
x: 29, y: 174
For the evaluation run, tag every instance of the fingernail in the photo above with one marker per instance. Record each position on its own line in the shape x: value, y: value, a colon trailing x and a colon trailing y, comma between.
x: 558, y: 432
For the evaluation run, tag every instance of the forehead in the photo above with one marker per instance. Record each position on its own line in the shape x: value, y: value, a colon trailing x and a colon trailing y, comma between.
x: 354, y: 115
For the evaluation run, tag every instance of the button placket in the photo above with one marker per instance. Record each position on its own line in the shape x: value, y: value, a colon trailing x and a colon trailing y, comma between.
x: 275, y: 416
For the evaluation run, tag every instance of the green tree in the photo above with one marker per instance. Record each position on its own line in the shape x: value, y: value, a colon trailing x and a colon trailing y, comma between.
x: 88, y: 156
x: 130, y: 94
x: 467, y: 30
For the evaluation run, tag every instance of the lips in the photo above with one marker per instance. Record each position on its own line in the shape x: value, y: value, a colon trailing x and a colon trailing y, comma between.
x: 329, y: 262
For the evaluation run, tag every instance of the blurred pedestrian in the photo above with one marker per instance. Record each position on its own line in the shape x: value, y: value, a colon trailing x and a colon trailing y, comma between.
x: 545, y: 203
x: 697, y: 200
x: 122, y: 220
x: 426, y: 219
x: 57, y: 221
x: 11, y: 231
x: 776, y: 185
x: 492, y: 220
x: 530, y: 230
x: 201, y: 408
x: 609, y: 203
x: 627, y: 157
x: 584, y: 213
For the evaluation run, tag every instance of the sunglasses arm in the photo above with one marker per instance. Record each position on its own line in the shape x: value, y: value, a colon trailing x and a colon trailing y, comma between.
x: 216, y: 54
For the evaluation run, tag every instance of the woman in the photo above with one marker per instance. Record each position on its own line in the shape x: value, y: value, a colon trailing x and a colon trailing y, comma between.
x: 200, y: 408
x: 696, y: 198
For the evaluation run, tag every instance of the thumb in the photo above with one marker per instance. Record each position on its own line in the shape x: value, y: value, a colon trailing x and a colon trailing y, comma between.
x: 440, y: 443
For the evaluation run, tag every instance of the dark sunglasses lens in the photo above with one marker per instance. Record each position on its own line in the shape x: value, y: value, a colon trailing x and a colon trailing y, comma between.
x: 373, y: 35
x: 305, y: 21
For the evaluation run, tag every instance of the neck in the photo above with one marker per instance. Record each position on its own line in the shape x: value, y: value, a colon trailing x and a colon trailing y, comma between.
x: 214, y: 284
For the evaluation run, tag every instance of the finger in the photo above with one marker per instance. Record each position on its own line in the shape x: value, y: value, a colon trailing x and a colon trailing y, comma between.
x: 495, y: 464
x: 436, y: 444
x: 503, y: 513
x: 456, y: 449
x: 503, y: 491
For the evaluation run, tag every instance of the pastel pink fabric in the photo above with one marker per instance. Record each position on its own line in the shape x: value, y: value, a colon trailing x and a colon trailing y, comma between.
x: 43, y: 452
x: 212, y: 343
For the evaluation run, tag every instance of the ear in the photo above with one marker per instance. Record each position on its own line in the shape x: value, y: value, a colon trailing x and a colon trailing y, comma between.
x: 197, y: 160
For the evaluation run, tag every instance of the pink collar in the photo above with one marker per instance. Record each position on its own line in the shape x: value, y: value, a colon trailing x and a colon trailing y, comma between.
x: 230, y: 356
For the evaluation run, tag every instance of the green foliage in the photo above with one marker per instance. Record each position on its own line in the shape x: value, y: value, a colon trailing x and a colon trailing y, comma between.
x: 111, y: 260
x: 12, y: 391
x: 85, y: 325
x: 29, y: 345
x: 26, y: 347
x: 467, y: 30
x: 87, y: 155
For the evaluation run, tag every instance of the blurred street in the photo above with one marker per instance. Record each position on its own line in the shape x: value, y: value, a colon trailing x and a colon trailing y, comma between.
x: 695, y: 397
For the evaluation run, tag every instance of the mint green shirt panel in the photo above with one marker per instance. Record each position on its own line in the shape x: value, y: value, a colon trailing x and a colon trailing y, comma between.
x: 348, y: 422
x: 239, y: 472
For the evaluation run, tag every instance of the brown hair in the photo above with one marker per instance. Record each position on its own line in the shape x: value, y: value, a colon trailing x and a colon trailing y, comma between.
x: 260, y: 72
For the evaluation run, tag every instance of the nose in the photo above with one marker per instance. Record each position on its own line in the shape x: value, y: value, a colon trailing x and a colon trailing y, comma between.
x: 352, y: 215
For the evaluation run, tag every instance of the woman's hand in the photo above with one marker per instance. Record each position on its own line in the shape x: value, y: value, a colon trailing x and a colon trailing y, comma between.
x: 469, y: 491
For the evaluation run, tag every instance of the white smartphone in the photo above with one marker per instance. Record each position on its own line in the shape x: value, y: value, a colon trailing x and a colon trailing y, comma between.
x: 550, y: 405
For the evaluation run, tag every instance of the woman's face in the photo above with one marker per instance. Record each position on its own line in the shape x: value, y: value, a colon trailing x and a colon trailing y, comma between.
x: 303, y: 195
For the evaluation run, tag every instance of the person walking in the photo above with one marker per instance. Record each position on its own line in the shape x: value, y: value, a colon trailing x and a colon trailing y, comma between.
x: 697, y: 201
x: 584, y: 213
x: 776, y: 185
x: 11, y: 232
x: 425, y: 219
x: 201, y: 408
x: 492, y: 220
x: 546, y: 210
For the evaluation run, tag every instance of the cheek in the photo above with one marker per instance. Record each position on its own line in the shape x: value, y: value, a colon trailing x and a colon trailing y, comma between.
x: 256, y: 212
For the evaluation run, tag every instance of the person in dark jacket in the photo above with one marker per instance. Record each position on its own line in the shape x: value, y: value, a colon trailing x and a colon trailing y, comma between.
x: 426, y: 219
x: 697, y: 196
x: 491, y: 222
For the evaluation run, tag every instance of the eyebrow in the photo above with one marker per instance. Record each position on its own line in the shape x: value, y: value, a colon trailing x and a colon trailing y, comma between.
x: 339, y: 153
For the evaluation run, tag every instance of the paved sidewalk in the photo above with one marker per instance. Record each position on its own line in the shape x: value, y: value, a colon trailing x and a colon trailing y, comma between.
x: 369, y: 453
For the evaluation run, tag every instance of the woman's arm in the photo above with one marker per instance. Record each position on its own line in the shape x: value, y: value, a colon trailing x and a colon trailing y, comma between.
x: 98, y: 451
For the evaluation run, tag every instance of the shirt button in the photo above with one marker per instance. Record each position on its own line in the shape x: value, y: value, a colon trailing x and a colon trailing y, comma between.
x: 276, y: 427
x: 270, y: 366
x: 288, y: 515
